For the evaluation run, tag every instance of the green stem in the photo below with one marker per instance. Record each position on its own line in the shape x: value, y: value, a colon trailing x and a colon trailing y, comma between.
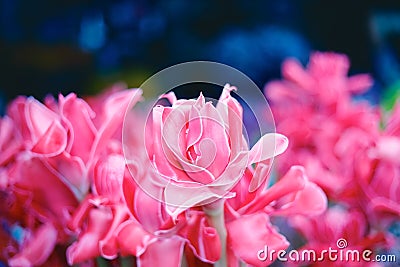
x: 184, y: 261
x: 215, y: 215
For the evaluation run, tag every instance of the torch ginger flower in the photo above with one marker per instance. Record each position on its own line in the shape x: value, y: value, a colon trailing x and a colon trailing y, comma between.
x: 313, y: 107
x: 200, y: 152
x: 44, y: 170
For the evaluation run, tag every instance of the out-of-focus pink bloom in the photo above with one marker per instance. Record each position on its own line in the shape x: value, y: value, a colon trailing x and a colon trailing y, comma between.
x: 247, y: 215
x: 377, y: 169
x: 65, y: 135
x: 199, y: 150
x: 324, y: 82
x: 340, y: 230
x: 46, y: 197
x: 313, y: 107
x: 46, y: 165
x: 10, y: 143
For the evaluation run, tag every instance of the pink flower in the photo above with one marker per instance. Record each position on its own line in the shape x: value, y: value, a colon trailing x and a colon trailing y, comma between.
x: 65, y: 133
x: 377, y: 169
x: 339, y: 229
x: 199, y: 150
x: 46, y: 165
x: 313, y: 107
x: 324, y: 82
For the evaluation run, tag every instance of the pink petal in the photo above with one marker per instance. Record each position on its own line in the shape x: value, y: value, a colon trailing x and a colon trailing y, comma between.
x: 53, y: 142
x: 38, y: 118
x: 148, y: 211
x: 6, y: 131
x: 36, y: 250
x: 108, y: 177
x: 359, y: 83
x: 132, y: 238
x: 81, y: 213
x: 293, y: 181
x: 387, y: 148
x: 77, y: 113
x: 269, y: 146
x: 328, y: 64
x: 249, y: 234
x: 162, y: 164
x: 203, y: 240
x: 9, y: 144
x: 49, y: 193
x: 213, y: 145
x: 280, y: 92
x: 16, y: 111
x: 310, y: 201
x: 231, y: 113
x: 182, y: 197
x: 71, y: 171
x: 292, y: 70
x: 108, y: 244
x: 115, y: 108
x: 87, y: 246
x: 194, y: 128
x: 173, y: 123
x: 232, y: 173
x: 166, y: 252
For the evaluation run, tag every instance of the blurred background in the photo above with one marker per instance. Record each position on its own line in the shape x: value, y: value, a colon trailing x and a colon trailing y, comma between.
x: 84, y: 46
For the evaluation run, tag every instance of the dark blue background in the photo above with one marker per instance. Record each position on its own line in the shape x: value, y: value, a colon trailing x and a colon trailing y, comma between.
x: 82, y: 46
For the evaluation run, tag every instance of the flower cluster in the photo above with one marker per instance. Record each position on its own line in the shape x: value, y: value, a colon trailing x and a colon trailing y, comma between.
x: 350, y: 148
x: 95, y: 182
x: 70, y: 196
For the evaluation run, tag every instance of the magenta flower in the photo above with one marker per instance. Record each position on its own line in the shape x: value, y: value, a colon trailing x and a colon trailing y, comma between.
x: 338, y: 229
x: 313, y: 107
x: 199, y: 150
x: 45, y: 166
x: 377, y: 170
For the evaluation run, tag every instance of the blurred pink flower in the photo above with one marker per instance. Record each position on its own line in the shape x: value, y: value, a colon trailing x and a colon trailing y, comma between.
x: 313, y: 107
x: 46, y: 165
x: 324, y: 83
x: 331, y: 228
x: 377, y: 169
x: 10, y: 144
